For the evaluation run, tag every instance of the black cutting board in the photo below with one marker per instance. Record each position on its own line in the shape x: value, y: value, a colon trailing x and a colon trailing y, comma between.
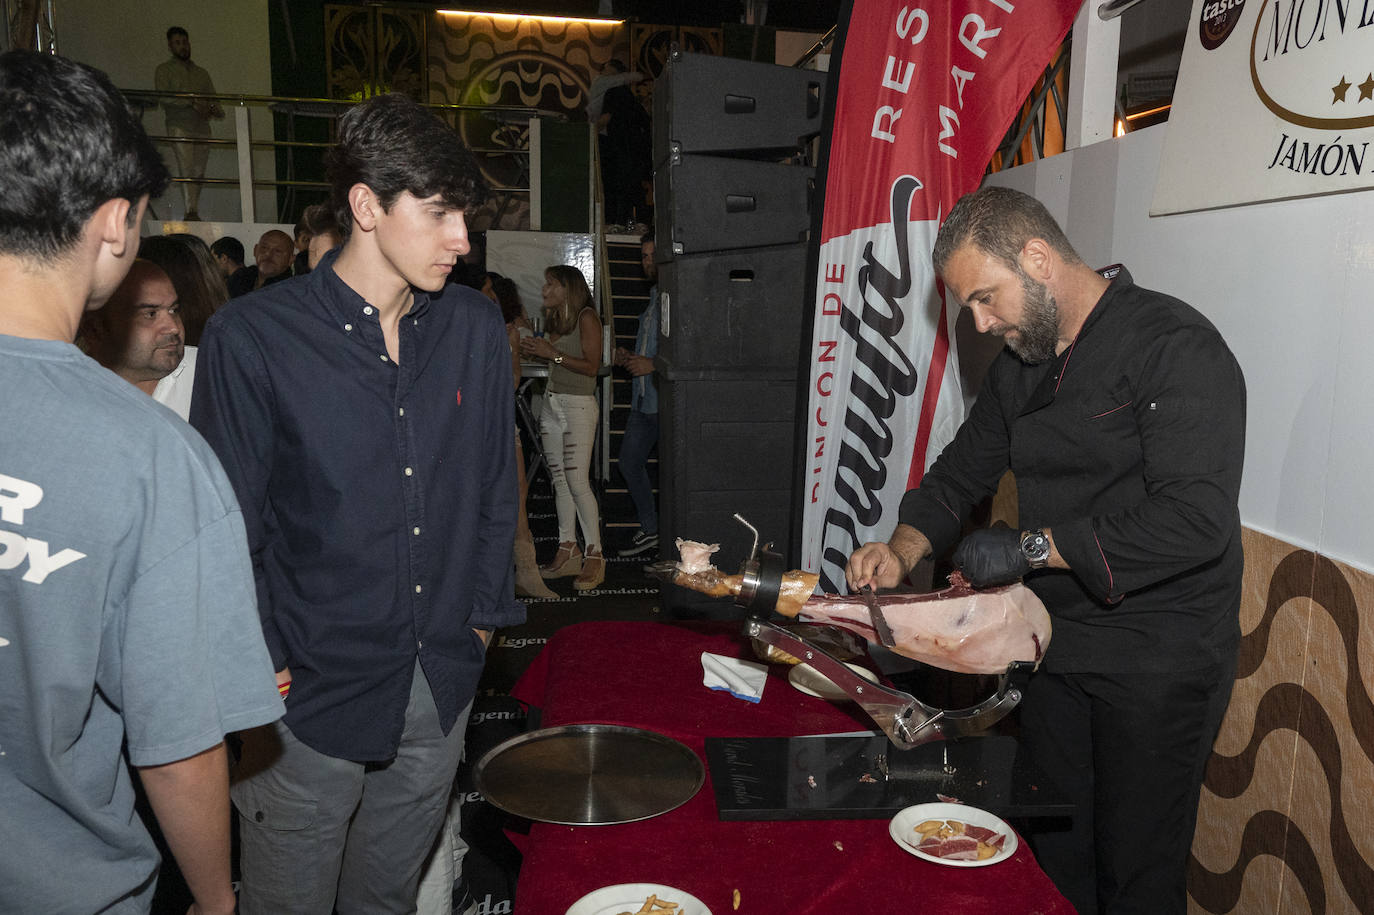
x: 831, y: 777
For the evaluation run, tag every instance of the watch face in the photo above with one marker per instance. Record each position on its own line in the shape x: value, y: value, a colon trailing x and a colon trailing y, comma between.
x: 1036, y: 547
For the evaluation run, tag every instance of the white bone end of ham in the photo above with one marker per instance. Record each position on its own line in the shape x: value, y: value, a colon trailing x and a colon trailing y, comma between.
x: 696, y: 557
x: 958, y: 629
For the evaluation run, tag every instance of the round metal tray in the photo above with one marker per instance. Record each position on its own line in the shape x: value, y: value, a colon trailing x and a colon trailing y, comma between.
x: 589, y: 775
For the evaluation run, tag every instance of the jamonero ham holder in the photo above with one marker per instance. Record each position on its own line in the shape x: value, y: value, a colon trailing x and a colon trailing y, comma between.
x: 1002, y: 631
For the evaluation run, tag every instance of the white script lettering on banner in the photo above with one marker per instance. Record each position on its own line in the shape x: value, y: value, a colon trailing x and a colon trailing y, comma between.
x: 1275, y: 99
x: 924, y: 95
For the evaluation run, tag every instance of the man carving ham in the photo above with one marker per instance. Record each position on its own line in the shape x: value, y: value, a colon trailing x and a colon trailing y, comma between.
x: 1121, y: 412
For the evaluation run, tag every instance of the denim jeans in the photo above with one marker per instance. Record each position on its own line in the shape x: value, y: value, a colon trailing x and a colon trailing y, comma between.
x: 641, y: 436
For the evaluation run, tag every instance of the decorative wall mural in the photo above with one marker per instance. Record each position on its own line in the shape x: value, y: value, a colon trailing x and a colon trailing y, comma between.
x: 492, y: 61
x: 503, y: 61
x: 500, y: 60
x: 1285, y: 812
x: 650, y: 45
x: 371, y: 50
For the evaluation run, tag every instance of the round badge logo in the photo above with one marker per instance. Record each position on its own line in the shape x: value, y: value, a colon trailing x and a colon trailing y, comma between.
x: 1219, y: 19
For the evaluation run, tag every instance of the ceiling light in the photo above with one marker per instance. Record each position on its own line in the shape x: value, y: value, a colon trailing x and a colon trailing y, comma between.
x: 540, y: 18
x: 1148, y: 112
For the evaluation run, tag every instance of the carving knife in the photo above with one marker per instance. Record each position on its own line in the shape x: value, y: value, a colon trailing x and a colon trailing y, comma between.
x: 876, y: 615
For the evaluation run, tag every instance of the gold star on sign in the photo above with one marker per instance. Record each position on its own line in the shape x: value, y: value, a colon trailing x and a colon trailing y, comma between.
x: 1339, y: 90
x: 1367, y: 88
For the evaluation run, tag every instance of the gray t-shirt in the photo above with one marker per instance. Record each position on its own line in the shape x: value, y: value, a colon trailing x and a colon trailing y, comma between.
x: 127, y: 624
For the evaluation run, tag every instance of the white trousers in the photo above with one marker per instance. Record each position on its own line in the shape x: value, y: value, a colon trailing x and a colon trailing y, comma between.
x: 567, y: 425
x: 191, y: 161
x: 445, y: 864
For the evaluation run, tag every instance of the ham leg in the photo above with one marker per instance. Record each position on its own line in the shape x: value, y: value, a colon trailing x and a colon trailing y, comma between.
x: 961, y: 628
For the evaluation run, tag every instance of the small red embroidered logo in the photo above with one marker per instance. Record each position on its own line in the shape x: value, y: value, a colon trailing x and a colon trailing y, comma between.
x: 460, y: 397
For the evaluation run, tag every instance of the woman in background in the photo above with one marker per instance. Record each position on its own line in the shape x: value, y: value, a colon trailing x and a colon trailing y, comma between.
x: 323, y: 228
x: 568, y: 422
x: 195, y: 275
x: 528, y: 581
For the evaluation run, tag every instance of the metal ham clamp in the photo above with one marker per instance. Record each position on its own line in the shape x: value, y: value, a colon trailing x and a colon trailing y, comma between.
x: 763, y: 587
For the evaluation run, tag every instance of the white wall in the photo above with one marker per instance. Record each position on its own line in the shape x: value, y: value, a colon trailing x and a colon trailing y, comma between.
x: 1288, y: 285
x: 229, y: 39
x: 522, y: 257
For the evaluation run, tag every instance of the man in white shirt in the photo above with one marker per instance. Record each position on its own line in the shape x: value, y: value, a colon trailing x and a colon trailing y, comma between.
x: 139, y: 336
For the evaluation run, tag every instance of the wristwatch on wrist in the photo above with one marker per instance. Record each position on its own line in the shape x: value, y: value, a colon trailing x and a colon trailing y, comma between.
x: 1035, y: 546
x: 557, y: 360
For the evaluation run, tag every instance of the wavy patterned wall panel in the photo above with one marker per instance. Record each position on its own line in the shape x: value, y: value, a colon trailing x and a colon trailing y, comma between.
x: 497, y: 60
x: 476, y: 59
x: 1285, y: 818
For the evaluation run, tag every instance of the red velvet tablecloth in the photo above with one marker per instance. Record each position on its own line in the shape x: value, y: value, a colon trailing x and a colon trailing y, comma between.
x: 649, y: 675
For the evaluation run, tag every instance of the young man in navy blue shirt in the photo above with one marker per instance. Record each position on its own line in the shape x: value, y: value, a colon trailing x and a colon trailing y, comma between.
x: 363, y: 414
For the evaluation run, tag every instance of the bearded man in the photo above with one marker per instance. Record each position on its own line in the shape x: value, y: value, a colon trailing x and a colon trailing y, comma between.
x: 187, y: 118
x: 1121, y: 412
x: 271, y: 263
x: 138, y: 335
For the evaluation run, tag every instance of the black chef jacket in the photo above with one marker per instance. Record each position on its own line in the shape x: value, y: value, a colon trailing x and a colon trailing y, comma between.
x: 1129, y: 446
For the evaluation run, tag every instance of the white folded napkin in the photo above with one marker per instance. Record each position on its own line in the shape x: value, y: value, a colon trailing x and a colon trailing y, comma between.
x: 743, y: 679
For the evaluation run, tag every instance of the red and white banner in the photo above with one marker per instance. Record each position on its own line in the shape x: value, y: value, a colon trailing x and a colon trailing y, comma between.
x: 925, y: 95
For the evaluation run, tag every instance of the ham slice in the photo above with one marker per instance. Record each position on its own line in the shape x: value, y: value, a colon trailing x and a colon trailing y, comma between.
x: 956, y: 848
x: 982, y: 834
x: 961, y: 628
x: 958, y: 841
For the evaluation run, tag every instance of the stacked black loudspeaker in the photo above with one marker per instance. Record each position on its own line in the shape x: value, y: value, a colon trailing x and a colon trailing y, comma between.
x: 733, y: 194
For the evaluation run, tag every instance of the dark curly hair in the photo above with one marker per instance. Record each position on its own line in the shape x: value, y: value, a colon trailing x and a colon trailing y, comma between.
x: 507, y: 296
x: 68, y: 143
x: 393, y: 145
x: 999, y: 221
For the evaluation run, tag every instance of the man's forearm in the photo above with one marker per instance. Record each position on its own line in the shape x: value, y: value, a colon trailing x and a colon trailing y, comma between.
x: 910, y: 545
x: 190, y: 798
x: 1056, y: 561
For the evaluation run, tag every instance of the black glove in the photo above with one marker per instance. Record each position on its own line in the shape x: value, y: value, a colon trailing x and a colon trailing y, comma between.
x: 991, y: 557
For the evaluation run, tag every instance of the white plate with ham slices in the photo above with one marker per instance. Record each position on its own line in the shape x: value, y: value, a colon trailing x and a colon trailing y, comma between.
x: 957, y: 843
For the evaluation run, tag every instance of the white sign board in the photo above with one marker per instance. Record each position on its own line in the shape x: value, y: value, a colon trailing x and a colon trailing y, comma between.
x: 1275, y: 99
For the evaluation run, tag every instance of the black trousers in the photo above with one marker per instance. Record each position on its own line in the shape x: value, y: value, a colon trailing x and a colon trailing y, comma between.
x: 1130, y: 750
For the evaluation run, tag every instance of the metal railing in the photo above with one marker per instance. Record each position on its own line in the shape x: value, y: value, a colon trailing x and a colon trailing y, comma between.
x: 1033, y: 120
x: 515, y: 120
